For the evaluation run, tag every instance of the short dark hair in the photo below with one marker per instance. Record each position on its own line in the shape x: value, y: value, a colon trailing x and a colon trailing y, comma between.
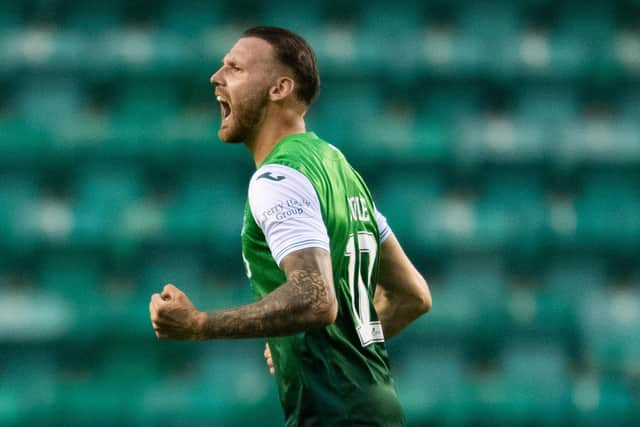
x: 294, y: 52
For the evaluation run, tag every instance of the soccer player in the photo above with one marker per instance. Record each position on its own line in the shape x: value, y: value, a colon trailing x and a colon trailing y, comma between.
x: 330, y: 279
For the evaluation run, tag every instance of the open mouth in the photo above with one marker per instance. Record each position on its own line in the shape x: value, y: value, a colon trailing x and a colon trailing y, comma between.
x: 225, y: 108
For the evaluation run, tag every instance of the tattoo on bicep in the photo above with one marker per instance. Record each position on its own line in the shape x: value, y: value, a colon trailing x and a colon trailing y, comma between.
x: 311, y: 289
x: 283, y: 312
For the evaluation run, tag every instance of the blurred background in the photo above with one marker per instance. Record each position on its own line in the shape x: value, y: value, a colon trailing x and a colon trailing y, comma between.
x: 501, y: 139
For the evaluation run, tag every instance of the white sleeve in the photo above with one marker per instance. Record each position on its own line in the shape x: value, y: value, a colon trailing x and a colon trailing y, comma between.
x: 383, y: 226
x: 285, y: 206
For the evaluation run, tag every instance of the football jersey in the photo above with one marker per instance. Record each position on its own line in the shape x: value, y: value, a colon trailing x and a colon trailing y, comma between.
x: 337, y: 374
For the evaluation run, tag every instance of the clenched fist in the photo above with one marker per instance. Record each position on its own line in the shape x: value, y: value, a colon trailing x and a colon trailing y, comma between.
x: 174, y: 316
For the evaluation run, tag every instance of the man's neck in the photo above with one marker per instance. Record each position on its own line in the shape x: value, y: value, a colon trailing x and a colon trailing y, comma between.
x: 271, y: 132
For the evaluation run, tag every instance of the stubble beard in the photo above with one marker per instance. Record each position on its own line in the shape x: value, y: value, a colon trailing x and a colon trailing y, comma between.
x: 247, y: 118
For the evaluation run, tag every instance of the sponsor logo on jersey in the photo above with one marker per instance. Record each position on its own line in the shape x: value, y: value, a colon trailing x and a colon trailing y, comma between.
x: 268, y: 176
x: 285, y: 209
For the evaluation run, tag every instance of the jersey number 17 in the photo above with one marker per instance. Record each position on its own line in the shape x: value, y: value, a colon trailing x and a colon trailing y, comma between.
x: 361, y: 251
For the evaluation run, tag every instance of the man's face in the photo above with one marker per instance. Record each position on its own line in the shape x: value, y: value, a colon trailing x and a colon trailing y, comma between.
x: 242, y: 88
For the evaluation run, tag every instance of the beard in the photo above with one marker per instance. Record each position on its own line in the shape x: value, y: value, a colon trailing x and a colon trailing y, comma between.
x: 245, y: 118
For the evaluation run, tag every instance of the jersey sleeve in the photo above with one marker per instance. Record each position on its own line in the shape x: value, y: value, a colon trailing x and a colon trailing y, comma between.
x: 383, y: 226
x: 285, y: 206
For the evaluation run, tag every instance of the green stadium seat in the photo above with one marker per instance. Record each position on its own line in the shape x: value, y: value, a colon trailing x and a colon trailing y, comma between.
x: 625, y: 148
x: 141, y: 111
x: 10, y: 16
x: 458, y: 53
x: 108, y: 186
x: 121, y: 363
x: 101, y: 194
x: 542, y: 112
x: 69, y: 46
x: 96, y: 18
x: 27, y: 386
x: 552, y: 103
x: 33, y: 315
x: 629, y: 103
x: 289, y: 12
x: 502, y: 137
x: 511, y: 212
x: 439, y: 393
x: 408, y: 200
x: 10, y: 406
x: 431, y: 140
x: 489, y: 27
x: 609, y: 319
x: 229, y: 287
x: 173, y: 53
x: 536, y: 384
x: 108, y: 384
x: 190, y: 137
x: 49, y: 102
x: 603, y: 401
x: 95, y: 402
x: 446, y: 224
x: 140, y: 222
x: 18, y: 188
x: 607, y: 212
x: 76, y: 279
x: 182, y: 269
x: 247, y: 397
x: 208, y: 208
x: 192, y: 18
x: 602, y: 141
x: 508, y: 215
x: 450, y: 104
x: 44, y: 47
x: 471, y: 295
x: 19, y: 197
x: 23, y: 142
x: 581, y: 42
x: 628, y: 106
x: 622, y: 146
x: 551, y: 311
x: 593, y: 24
x: 391, y: 136
x: 440, y: 113
x: 387, y: 36
x: 363, y: 103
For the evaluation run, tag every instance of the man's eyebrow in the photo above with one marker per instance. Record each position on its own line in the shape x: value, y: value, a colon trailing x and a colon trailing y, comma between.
x: 229, y: 60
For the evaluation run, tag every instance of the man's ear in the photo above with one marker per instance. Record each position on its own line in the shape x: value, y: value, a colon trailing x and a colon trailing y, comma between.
x: 284, y: 87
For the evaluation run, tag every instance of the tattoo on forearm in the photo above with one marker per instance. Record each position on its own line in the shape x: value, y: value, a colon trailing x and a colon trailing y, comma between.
x: 289, y: 309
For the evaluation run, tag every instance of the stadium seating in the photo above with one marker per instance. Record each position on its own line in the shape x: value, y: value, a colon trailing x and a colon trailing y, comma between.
x: 502, y: 142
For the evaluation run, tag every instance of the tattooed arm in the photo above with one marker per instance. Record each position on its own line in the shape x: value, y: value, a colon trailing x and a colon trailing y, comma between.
x: 307, y: 299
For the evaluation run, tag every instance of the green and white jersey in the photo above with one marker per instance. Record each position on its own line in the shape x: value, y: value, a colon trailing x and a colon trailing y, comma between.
x: 305, y: 194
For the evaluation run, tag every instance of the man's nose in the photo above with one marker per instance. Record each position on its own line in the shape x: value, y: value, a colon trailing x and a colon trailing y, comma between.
x: 215, y: 78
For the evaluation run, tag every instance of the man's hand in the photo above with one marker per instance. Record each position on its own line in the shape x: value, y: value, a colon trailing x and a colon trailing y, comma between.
x: 174, y: 316
x: 267, y: 355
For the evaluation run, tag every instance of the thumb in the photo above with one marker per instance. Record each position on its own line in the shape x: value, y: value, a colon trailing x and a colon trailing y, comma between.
x: 168, y: 292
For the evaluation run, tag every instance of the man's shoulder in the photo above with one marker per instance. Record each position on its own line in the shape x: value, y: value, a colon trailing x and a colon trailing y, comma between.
x: 274, y: 173
x: 277, y: 179
x: 297, y: 149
